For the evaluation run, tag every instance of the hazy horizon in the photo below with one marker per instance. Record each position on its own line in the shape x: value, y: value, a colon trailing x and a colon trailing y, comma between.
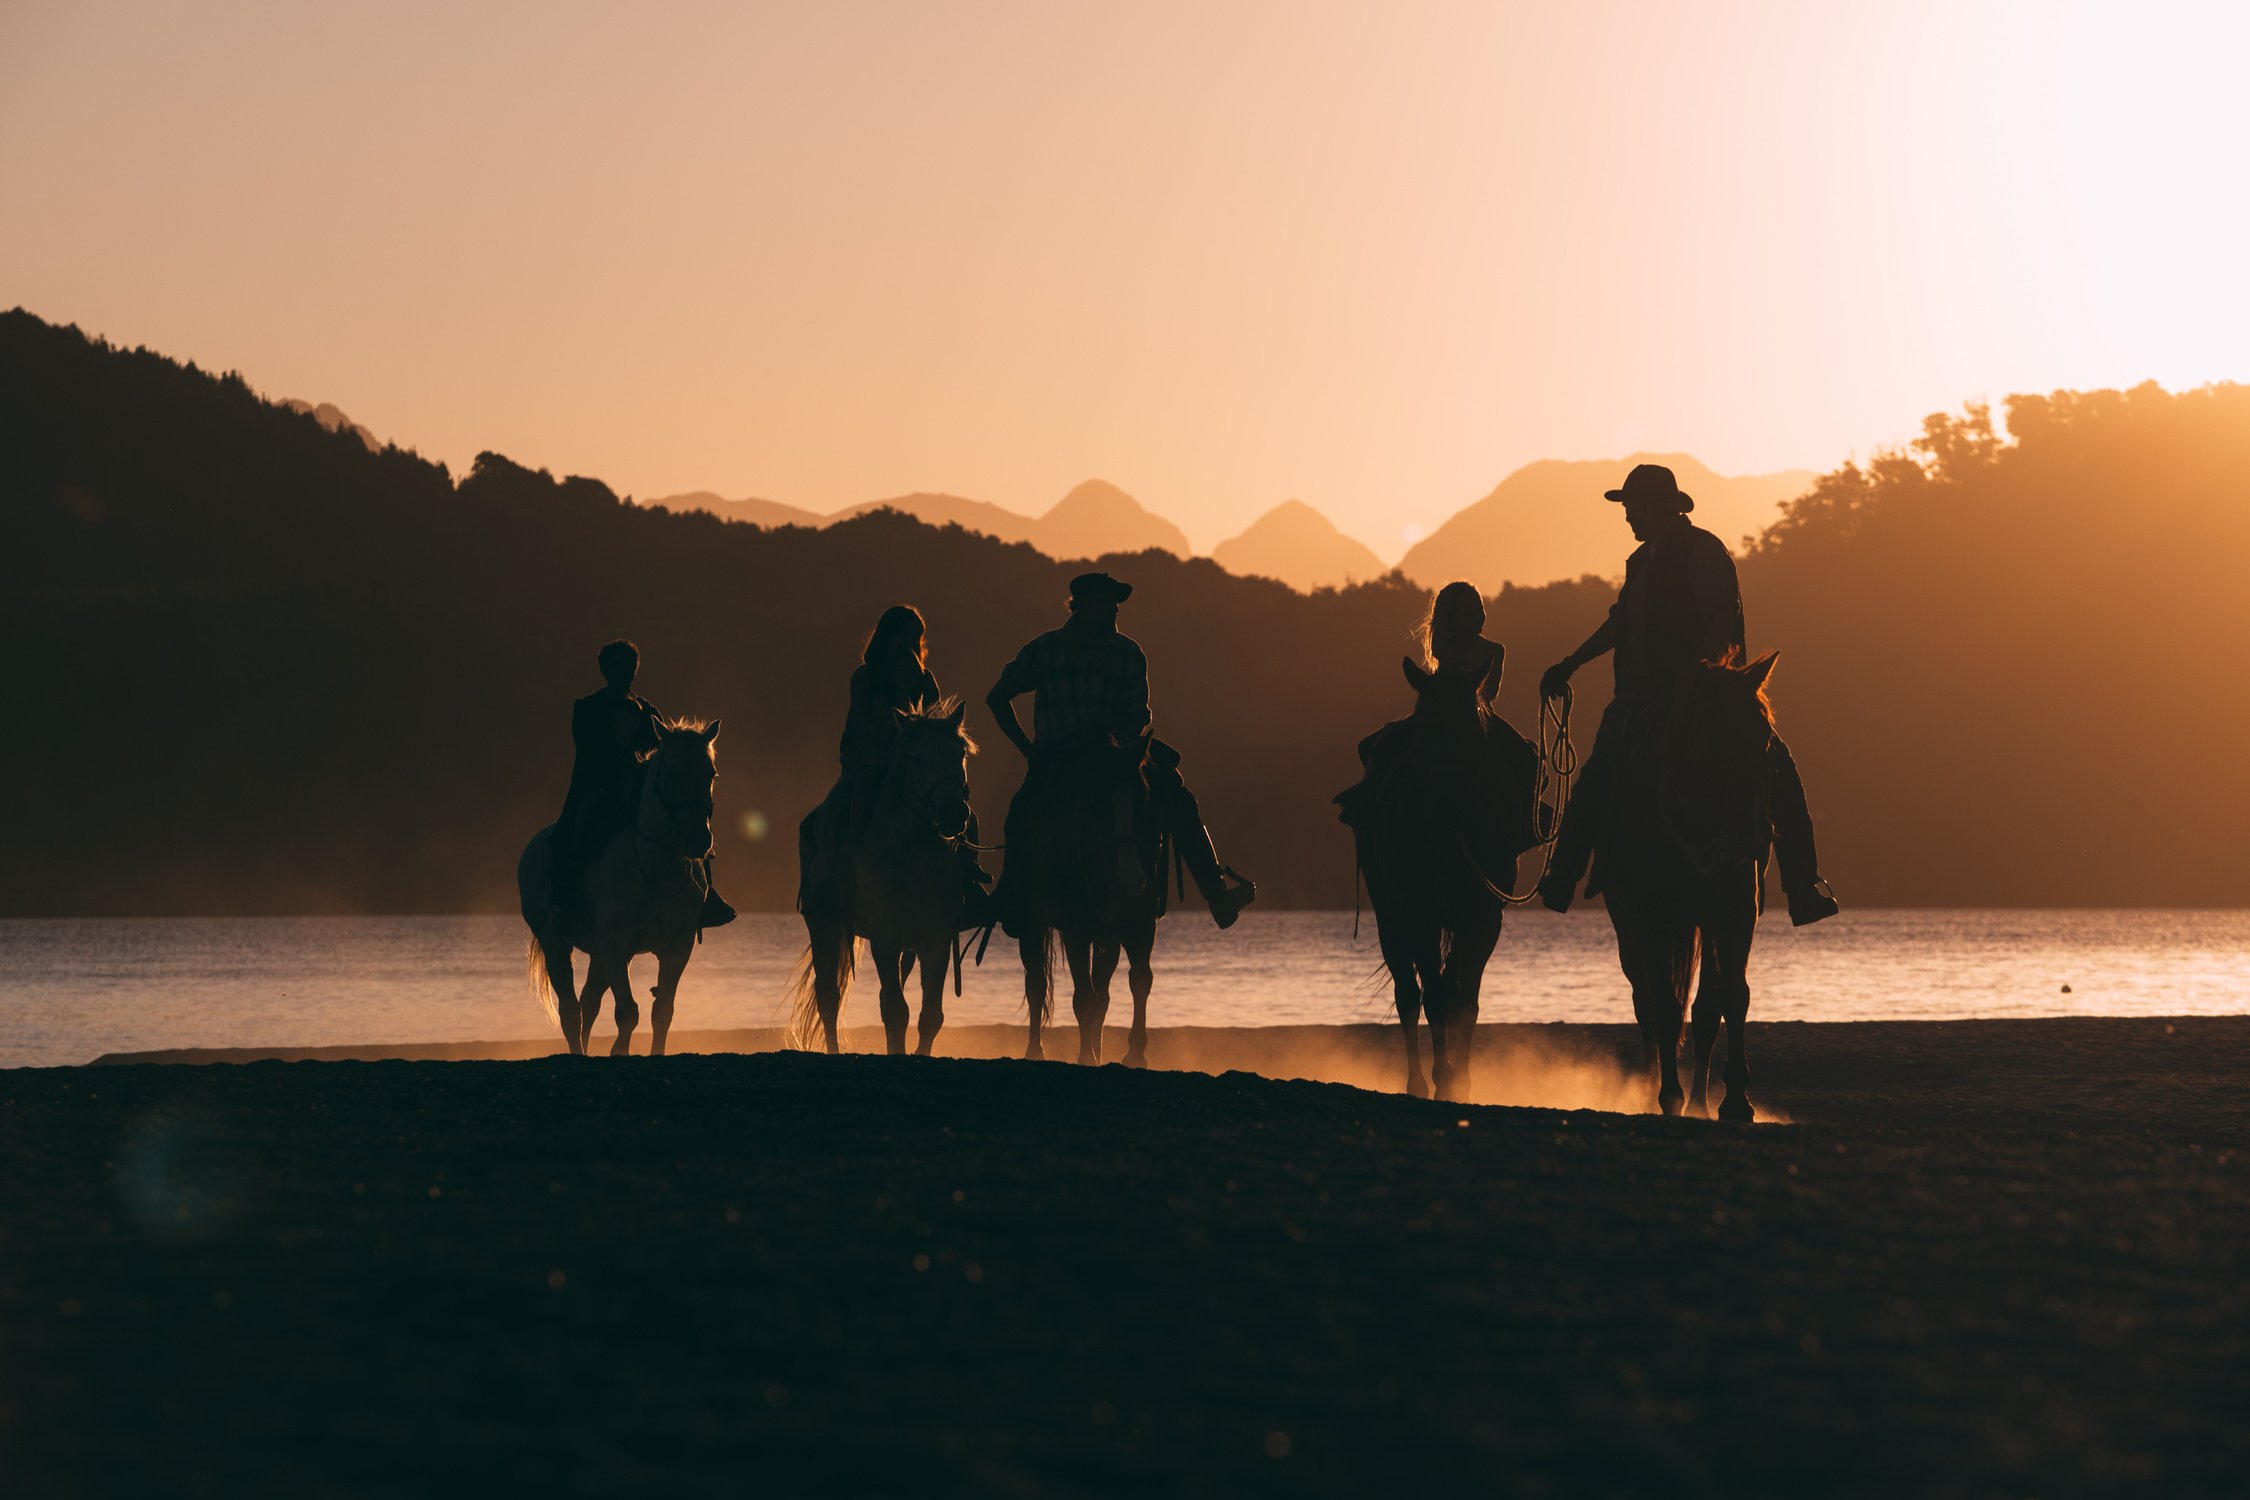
x: 1369, y: 258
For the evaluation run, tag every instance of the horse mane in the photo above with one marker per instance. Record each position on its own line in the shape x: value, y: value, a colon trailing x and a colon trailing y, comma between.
x: 683, y: 726
x: 1734, y: 666
x: 923, y: 712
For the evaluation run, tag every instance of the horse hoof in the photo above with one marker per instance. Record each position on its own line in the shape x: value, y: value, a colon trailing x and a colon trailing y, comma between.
x: 1136, y: 1060
x: 1034, y: 1053
x: 1670, y: 1103
x: 1736, y: 1109
x: 1416, y: 1088
x: 923, y: 1050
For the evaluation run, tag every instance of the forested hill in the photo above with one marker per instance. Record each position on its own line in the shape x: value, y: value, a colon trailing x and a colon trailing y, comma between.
x: 262, y: 668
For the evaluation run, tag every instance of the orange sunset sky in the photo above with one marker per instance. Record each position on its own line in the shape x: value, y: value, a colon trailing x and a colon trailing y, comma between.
x: 1370, y: 256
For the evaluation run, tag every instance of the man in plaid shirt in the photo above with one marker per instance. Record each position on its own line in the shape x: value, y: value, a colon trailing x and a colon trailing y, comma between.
x: 1092, y: 681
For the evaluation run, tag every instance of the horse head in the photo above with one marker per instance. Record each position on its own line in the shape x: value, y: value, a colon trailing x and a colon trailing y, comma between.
x: 1441, y: 698
x: 680, y: 777
x: 933, y: 760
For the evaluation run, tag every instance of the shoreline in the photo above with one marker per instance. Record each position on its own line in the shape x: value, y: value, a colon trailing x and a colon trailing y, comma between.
x: 2066, y: 1072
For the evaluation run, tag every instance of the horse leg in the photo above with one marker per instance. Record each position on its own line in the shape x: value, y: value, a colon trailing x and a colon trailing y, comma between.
x: 830, y: 947
x: 1646, y: 952
x: 1727, y: 961
x: 1407, y: 993
x: 564, y: 986
x: 934, y: 971
x: 1085, y: 999
x: 1429, y: 967
x: 1464, y: 981
x: 628, y: 1009
x: 1106, y: 954
x: 590, y: 1002
x: 890, y: 971
x: 1706, y: 1024
x: 669, y: 968
x: 1035, y: 991
x: 1140, y: 975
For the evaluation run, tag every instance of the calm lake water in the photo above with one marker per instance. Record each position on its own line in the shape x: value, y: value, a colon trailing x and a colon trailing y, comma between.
x: 71, y: 990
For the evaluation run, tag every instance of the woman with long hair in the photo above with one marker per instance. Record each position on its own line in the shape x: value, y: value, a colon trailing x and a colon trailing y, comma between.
x: 892, y: 677
x: 1453, y: 644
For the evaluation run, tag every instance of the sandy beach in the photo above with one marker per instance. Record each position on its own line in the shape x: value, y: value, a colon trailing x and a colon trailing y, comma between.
x: 1985, y: 1259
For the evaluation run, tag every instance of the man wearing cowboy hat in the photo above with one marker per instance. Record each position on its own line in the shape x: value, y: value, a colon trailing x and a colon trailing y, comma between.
x: 1681, y: 604
x: 1091, y: 683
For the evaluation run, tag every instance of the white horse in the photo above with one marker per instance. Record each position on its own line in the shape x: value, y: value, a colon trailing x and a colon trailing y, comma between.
x: 645, y: 890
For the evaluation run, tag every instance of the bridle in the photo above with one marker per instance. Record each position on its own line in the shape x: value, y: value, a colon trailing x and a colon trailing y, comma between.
x: 922, y: 797
x: 699, y: 803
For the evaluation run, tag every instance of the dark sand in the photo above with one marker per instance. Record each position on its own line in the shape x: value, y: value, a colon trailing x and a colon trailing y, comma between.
x: 1989, y: 1258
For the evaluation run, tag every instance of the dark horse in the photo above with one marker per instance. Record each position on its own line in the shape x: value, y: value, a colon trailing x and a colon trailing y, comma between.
x: 1682, y: 867
x: 1430, y: 860
x: 1097, y: 866
x: 901, y: 885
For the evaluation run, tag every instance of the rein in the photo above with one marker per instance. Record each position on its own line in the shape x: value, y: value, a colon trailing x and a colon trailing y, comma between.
x: 1558, y: 768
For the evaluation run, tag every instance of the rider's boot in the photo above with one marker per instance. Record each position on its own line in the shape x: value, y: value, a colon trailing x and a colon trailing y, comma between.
x: 1006, y: 905
x: 1225, y: 890
x: 716, y: 912
x: 977, y: 909
x: 1812, y: 903
x: 1566, y: 864
x: 1810, y: 899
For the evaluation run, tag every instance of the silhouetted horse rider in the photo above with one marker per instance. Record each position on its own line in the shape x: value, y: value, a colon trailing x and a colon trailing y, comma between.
x: 1455, y: 646
x: 1681, y: 604
x: 1092, y: 682
x: 610, y: 731
x: 893, y: 676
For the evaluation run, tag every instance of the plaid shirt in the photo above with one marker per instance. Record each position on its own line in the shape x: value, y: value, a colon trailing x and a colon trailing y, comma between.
x: 1084, y: 682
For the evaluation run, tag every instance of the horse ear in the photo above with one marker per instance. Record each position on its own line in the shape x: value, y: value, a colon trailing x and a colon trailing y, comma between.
x: 711, y: 734
x: 1759, y: 670
x: 1417, y: 677
x: 960, y: 712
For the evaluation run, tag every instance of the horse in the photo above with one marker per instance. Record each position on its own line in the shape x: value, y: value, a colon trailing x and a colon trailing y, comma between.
x: 645, y: 891
x: 1437, y: 906
x: 1091, y: 877
x: 900, y: 883
x: 1682, y: 860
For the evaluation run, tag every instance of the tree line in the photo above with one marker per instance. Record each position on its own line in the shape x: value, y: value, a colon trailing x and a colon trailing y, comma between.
x: 267, y: 670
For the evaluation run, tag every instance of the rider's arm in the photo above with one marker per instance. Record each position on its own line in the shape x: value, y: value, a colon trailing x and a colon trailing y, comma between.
x: 1015, y: 681
x: 1496, y: 664
x: 1132, y: 715
x: 1602, y: 640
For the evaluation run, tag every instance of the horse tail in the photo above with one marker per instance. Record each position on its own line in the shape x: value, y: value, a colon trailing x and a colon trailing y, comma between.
x: 535, y: 961
x: 804, y: 1032
x: 1041, y: 1006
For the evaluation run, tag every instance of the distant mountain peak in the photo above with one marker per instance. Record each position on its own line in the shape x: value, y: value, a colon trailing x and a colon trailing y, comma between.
x: 1548, y: 521
x: 1298, y: 545
x: 1097, y: 517
x: 331, y: 416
